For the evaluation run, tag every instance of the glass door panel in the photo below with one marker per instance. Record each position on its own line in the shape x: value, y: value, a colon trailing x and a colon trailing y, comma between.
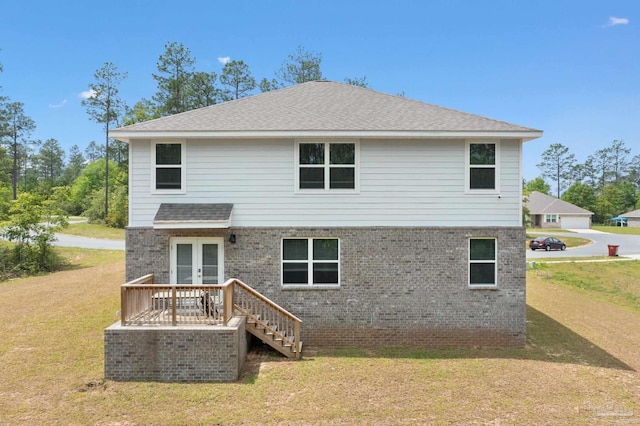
x: 197, y: 260
x: 184, y: 264
x: 209, y: 262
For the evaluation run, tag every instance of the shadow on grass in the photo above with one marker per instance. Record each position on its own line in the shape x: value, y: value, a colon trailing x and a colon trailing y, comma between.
x: 547, y: 340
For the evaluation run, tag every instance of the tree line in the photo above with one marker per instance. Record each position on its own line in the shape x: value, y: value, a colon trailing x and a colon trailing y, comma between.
x: 607, y: 183
x: 38, y: 178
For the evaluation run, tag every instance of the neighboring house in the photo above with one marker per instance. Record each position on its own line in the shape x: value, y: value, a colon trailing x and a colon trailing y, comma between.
x: 546, y: 211
x: 377, y: 220
x: 633, y: 218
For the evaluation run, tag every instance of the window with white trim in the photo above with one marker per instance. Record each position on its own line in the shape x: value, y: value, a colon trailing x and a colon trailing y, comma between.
x: 483, y: 265
x: 310, y: 261
x: 482, y: 167
x: 550, y: 218
x: 326, y: 166
x: 168, y: 167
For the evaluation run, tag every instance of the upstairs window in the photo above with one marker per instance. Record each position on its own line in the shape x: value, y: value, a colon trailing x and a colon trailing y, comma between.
x: 482, y: 167
x: 326, y: 166
x: 310, y: 261
x: 482, y: 262
x: 168, y: 161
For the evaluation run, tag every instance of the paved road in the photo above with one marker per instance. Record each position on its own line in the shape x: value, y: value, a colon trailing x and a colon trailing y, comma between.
x: 629, y: 245
x: 64, y: 240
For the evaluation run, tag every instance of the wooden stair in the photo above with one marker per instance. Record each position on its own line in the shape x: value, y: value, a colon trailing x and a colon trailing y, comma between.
x: 269, y: 322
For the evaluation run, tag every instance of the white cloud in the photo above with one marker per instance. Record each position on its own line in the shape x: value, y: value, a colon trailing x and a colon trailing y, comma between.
x: 224, y: 59
x: 613, y: 21
x: 60, y: 105
x: 87, y: 94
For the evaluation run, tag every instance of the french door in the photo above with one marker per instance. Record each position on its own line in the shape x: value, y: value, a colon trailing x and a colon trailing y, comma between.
x: 197, y: 260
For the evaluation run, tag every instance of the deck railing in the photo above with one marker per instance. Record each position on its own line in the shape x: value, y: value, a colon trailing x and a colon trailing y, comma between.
x: 280, y: 323
x: 145, y: 303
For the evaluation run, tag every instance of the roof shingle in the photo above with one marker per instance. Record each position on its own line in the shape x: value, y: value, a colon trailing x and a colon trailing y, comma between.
x: 169, y: 212
x: 539, y: 203
x: 322, y: 106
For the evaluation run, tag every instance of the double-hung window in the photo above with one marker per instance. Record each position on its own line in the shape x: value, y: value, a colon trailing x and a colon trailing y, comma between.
x: 326, y: 167
x: 310, y: 261
x: 550, y: 218
x: 483, y: 271
x: 482, y: 167
x: 168, y: 167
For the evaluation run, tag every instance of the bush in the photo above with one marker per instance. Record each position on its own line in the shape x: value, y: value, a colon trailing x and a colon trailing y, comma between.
x: 118, y: 216
x: 95, y: 210
x: 33, y: 250
x: 6, y: 262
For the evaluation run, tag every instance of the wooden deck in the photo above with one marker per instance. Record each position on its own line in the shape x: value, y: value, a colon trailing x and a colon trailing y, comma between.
x: 164, y: 316
x: 146, y: 303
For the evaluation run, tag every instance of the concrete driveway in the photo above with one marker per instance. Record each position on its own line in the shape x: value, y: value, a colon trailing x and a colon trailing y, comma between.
x: 629, y: 245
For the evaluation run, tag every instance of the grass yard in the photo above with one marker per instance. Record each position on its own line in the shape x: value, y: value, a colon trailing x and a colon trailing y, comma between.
x: 617, y: 229
x: 582, y: 353
x: 94, y: 230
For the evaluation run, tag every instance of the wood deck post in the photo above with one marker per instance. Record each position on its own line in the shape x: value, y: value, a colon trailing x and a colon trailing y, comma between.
x: 123, y: 305
x: 296, y: 333
x: 174, y: 298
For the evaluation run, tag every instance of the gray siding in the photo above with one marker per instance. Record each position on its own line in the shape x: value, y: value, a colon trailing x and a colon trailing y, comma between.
x: 402, y: 183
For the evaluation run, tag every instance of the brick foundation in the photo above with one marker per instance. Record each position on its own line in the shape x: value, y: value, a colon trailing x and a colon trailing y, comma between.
x: 175, y: 354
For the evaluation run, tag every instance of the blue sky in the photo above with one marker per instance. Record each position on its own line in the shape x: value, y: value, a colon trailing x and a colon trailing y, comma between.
x: 570, y: 68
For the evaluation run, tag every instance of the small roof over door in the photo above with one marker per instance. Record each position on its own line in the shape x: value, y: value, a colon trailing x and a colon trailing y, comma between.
x: 192, y: 216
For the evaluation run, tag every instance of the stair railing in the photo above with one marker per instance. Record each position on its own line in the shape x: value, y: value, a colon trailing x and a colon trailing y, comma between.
x: 283, y: 324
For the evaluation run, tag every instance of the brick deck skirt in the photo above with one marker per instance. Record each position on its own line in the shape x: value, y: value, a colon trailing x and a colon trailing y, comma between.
x: 175, y: 353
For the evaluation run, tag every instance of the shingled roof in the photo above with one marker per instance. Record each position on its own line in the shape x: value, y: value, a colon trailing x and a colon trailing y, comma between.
x: 634, y: 214
x: 323, y: 108
x: 539, y: 203
x: 171, y: 215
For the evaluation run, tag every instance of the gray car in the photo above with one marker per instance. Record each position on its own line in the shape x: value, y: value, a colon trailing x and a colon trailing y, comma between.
x: 547, y: 243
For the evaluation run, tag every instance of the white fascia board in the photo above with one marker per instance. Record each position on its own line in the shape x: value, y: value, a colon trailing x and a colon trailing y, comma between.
x: 126, y: 136
x: 181, y: 224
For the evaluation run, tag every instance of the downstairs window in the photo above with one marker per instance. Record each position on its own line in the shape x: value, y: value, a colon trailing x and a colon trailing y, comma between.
x: 482, y: 262
x: 310, y: 261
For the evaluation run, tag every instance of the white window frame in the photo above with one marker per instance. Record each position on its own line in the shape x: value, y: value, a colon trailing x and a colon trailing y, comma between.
x: 327, y: 167
x: 468, y: 166
x: 550, y: 218
x: 494, y: 261
x: 196, y: 242
x: 310, y: 262
x: 182, y: 167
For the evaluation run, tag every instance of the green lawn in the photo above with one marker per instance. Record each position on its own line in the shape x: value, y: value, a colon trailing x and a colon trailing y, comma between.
x: 581, y: 354
x: 617, y: 229
x: 94, y: 230
x: 615, y: 282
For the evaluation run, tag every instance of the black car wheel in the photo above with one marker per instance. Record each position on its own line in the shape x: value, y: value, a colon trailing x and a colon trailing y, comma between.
x: 563, y: 248
x: 547, y: 248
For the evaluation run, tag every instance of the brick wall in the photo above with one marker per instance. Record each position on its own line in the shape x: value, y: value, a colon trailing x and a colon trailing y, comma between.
x: 175, y: 354
x: 399, y: 286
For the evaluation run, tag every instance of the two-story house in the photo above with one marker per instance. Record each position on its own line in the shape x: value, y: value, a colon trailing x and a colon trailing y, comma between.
x: 375, y: 219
